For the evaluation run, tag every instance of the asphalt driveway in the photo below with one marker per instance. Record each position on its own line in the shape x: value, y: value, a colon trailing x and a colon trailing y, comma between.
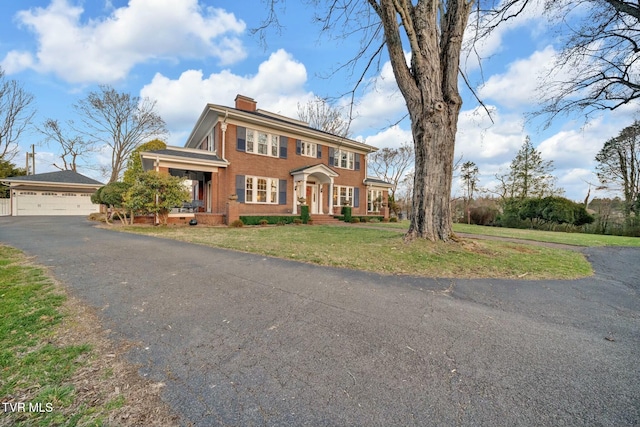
x: 242, y: 339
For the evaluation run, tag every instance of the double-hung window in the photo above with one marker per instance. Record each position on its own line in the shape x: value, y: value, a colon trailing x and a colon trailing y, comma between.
x: 342, y: 196
x: 262, y: 143
x: 261, y: 190
x: 374, y: 200
x: 343, y: 159
x: 308, y: 149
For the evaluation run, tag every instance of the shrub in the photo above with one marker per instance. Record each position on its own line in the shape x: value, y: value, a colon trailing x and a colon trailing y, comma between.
x: 355, y: 220
x: 387, y: 220
x: 364, y: 219
x: 297, y: 221
x: 237, y: 224
x: 310, y: 221
x: 374, y: 220
x: 346, y: 211
x: 280, y: 223
x: 483, y: 215
x: 263, y: 222
x: 393, y: 219
x: 304, y: 213
x: 271, y: 219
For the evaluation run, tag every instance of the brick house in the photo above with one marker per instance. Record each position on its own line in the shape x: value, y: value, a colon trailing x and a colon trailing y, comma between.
x: 244, y: 161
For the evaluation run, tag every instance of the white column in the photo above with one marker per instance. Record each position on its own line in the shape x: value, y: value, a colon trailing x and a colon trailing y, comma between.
x: 331, y: 196
x: 294, y: 210
x: 320, y: 201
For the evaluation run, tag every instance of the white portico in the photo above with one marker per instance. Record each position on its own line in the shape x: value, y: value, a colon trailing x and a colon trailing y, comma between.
x: 314, y: 184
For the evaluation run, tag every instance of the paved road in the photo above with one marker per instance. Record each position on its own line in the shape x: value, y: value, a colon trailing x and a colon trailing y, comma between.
x: 241, y: 339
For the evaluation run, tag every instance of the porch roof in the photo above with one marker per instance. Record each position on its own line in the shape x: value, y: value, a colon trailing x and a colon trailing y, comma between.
x: 182, y: 158
x: 376, y: 182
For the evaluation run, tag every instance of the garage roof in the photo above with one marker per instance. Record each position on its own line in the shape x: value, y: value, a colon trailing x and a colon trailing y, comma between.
x: 58, y: 177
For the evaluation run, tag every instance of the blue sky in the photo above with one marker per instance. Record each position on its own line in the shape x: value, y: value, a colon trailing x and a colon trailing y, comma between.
x: 186, y: 53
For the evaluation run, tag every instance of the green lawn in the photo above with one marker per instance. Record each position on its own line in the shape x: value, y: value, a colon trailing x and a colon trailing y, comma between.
x: 384, y: 251
x: 34, y: 370
x: 576, y: 239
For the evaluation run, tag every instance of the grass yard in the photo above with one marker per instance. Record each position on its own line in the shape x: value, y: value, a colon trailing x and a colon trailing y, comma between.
x: 385, y: 252
x: 576, y: 239
x: 54, y: 370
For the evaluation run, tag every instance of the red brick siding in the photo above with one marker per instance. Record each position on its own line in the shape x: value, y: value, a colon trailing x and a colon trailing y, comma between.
x: 242, y: 163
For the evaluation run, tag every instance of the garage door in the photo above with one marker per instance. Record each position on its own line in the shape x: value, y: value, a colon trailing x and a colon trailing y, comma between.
x: 52, y: 203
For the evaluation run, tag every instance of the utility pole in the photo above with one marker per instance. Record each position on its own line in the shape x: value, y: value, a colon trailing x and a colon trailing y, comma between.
x: 31, y: 165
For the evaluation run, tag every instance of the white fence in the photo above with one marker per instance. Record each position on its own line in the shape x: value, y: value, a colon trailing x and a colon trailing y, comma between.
x: 5, y: 207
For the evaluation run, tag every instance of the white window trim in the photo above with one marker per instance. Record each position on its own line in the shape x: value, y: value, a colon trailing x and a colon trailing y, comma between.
x: 376, y: 192
x: 272, y: 141
x: 308, y: 149
x: 350, y: 160
x: 338, y: 199
x: 271, y: 193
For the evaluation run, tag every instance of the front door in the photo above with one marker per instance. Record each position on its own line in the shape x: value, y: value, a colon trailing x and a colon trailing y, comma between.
x: 312, y: 198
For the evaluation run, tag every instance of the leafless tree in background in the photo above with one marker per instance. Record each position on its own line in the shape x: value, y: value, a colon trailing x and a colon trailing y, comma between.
x: 16, y: 112
x: 120, y: 121
x: 73, y: 148
x: 323, y: 116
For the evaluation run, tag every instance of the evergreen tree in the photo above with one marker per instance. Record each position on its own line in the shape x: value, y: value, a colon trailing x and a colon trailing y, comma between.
x: 529, y: 175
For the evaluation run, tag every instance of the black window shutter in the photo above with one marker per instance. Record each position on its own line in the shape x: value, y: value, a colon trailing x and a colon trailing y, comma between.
x: 282, y: 189
x: 331, y: 155
x: 241, y: 144
x: 240, y: 188
x: 356, y: 161
x: 319, y: 151
x: 284, y: 142
x: 298, y: 147
x: 356, y: 197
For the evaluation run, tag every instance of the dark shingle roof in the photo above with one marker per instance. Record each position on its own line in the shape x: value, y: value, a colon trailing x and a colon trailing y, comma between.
x: 62, y: 177
x: 370, y: 180
x: 187, y: 154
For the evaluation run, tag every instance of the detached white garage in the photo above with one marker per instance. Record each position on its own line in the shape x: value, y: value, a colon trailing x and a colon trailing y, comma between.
x: 52, y: 193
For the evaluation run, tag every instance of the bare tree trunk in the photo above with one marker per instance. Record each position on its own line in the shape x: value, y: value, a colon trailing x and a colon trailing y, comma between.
x: 434, y: 140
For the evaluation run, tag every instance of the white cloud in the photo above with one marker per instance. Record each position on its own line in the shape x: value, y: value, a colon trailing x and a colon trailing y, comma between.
x: 391, y: 137
x: 519, y: 86
x: 478, y: 139
x: 278, y: 86
x: 105, y: 50
x: 381, y: 105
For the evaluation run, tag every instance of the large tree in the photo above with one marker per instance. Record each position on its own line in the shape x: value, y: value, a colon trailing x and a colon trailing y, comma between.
x: 619, y: 166
x: 121, y: 122
x: 16, y: 111
x: 423, y: 40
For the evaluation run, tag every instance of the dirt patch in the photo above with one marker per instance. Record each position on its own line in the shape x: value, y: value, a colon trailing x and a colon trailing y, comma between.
x: 107, y: 376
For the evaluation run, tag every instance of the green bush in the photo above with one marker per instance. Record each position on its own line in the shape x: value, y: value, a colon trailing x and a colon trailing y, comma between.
x: 275, y: 219
x: 346, y: 211
x: 304, y: 213
x: 374, y: 220
x: 237, y: 224
x: 263, y: 222
x: 393, y: 219
x: 354, y: 220
x: 297, y: 221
